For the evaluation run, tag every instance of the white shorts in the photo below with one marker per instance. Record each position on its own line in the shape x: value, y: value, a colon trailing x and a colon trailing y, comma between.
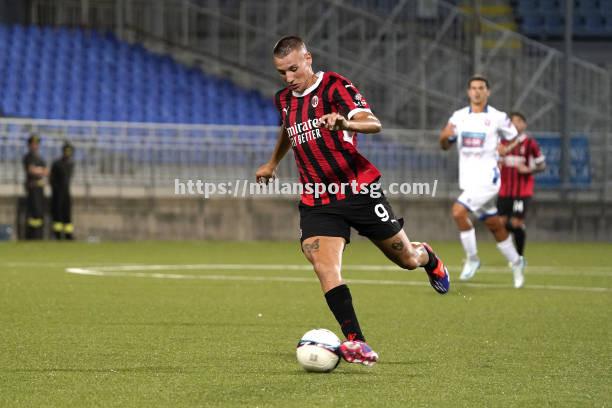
x: 481, y: 202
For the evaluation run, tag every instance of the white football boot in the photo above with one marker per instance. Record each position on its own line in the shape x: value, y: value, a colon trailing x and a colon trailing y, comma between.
x: 518, y: 272
x: 469, y: 269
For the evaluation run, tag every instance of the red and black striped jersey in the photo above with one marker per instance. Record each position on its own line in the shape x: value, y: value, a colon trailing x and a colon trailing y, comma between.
x: 527, y: 152
x: 325, y: 156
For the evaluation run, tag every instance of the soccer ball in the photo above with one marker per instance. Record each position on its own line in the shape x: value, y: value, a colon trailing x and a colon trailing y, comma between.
x: 317, y: 351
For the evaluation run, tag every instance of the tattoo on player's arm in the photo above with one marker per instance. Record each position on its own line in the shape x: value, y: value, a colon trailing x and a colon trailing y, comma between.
x: 312, y: 247
x: 397, y: 245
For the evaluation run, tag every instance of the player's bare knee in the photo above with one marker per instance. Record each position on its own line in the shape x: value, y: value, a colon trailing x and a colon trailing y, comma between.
x: 516, y: 222
x: 325, y: 267
x: 459, y: 213
x: 494, y: 223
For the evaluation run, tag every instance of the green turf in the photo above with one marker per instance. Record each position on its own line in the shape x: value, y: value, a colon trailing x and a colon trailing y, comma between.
x: 75, y: 340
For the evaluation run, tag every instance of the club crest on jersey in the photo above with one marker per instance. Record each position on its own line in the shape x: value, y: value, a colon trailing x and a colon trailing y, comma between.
x: 315, y: 101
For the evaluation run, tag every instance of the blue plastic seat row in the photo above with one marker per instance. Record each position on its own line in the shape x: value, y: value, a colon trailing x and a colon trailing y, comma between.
x: 61, y: 73
x: 526, y: 7
x: 553, y: 25
x: 545, y: 18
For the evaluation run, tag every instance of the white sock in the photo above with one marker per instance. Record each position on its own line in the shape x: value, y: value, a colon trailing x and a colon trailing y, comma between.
x: 468, y: 239
x: 507, y: 248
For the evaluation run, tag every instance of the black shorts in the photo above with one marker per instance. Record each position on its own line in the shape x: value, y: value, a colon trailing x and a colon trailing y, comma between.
x: 371, y: 217
x: 513, y: 206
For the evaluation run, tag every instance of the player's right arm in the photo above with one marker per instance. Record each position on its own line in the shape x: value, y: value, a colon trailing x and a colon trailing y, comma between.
x: 447, y: 136
x: 266, y: 171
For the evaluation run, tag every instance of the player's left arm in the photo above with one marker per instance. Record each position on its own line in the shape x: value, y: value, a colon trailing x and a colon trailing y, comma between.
x: 353, y: 112
x: 538, y: 168
x: 537, y: 161
x: 361, y: 122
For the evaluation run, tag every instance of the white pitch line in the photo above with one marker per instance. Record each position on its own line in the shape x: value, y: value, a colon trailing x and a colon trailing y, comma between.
x: 120, y: 271
x: 562, y: 270
x: 532, y: 270
x: 52, y: 264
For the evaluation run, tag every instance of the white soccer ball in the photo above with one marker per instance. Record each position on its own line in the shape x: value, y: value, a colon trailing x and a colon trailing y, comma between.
x: 317, y: 351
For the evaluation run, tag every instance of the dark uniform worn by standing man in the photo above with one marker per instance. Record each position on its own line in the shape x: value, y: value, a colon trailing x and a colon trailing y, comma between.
x: 35, y: 170
x: 61, y: 202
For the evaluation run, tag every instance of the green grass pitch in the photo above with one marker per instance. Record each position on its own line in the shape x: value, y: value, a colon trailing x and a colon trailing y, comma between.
x: 129, y: 330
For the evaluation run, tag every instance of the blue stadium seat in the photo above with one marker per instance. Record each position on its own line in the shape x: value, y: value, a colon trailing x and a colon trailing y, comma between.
x: 580, y: 28
x: 544, y: 18
x: 527, y: 7
x: 553, y: 25
x: 594, y: 25
x: 549, y: 6
x: 532, y: 25
x: 587, y: 6
x: 608, y: 24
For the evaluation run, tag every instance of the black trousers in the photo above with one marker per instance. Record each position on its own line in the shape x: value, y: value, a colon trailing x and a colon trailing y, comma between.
x: 61, y: 212
x: 35, y: 204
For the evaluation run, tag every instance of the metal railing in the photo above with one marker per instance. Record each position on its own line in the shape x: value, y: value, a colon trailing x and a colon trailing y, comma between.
x: 151, y: 156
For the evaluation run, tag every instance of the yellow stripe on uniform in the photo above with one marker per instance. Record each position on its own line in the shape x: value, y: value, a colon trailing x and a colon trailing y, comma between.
x: 35, y: 222
x: 68, y: 228
x: 58, y: 226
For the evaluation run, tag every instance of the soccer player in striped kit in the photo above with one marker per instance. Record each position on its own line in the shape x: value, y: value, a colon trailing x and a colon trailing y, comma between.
x: 321, y: 114
x: 520, y: 160
x: 476, y: 129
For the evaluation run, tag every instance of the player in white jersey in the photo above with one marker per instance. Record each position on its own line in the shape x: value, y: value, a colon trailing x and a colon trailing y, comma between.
x: 477, y: 129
